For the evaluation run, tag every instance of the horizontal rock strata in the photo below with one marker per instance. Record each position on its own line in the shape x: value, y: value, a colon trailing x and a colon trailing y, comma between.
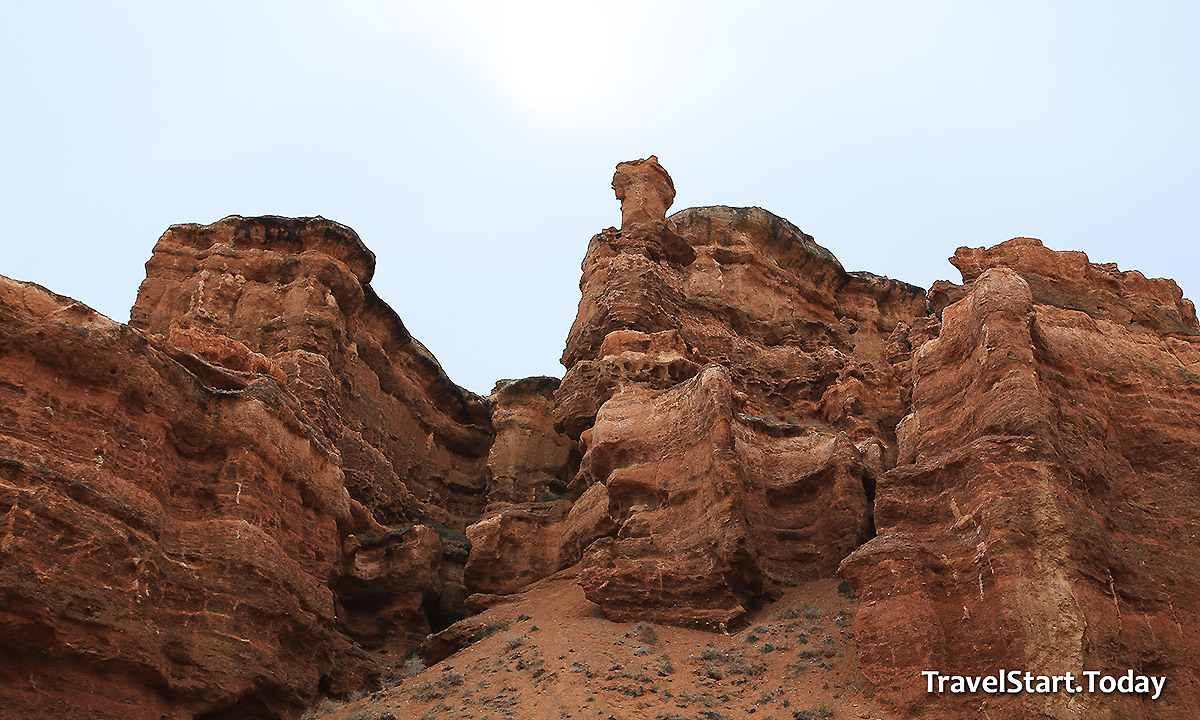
x: 263, y: 491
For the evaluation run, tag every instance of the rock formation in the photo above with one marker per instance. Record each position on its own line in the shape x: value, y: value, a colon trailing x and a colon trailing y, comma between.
x: 736, y: 401
x: 256, y: 492
x: 1043, y: 509
x: 263, y: 491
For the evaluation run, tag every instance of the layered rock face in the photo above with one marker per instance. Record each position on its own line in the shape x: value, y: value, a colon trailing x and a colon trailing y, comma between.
x: 167, y: 535
x: 731, y: 385
x: 263, y: 490
x: 291, y: 298
x: 518, y: 539
x: 1043, y: 513
x: 253, y: 494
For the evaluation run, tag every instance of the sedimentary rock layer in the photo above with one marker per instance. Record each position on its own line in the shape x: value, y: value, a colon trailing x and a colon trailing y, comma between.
x: 293, y: 297
x: 1043, y: 513
x: 167, y: 540
x: 251, y: 495
x: 796, y: 415
x: 263, y: 490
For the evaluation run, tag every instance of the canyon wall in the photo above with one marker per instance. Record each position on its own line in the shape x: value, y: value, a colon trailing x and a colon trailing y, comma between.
x: 263, y: 491
x: 1042, y: 514
x: 253, y: 494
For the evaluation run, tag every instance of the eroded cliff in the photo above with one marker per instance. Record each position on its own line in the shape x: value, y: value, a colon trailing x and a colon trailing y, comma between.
x: 263, y: 491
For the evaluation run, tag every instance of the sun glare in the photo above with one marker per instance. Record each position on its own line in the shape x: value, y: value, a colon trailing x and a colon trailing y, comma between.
x: 561, y: 58
x: 558, y: 56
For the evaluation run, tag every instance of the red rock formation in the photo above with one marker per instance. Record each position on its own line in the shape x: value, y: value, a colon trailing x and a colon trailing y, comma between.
x: 263, y: 490
x: 1042, y: 517
x: 800, y: 406
x: 295, y: 293
x: 167, y: 533
x: 530, y: 463
x: 191, y: 473
x: 645, y: 191
x: 293, y: 296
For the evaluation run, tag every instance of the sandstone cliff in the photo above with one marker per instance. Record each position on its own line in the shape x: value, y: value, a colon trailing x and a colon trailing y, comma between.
x: 263, y: 491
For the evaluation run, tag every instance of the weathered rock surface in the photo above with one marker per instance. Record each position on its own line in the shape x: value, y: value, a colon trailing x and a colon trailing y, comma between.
x: 253, y: 494
x: 526, y: 530
x: 263, y: 490
x: 293, y: 298
x: 1043, y: 514
x: 167, y: 541
x: 296, y: 294
x: 731, y: 488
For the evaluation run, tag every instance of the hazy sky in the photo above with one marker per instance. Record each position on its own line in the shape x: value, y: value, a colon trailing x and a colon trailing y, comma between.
x: 472, y: 145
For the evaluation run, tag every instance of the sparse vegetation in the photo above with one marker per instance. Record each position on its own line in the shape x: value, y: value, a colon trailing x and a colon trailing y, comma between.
x: 512, y: 642
x: 488, y: 631
x: 326, y: 706
x: 437, y: 688
x: 412, y: 667
x: 646, y: 633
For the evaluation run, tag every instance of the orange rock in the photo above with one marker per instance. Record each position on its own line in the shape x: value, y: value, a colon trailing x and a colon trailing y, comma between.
x: 805, y: 417
x: 1030, y: 523
x: 645, y: 191
x: 167, y: 544
x: 264, y: 490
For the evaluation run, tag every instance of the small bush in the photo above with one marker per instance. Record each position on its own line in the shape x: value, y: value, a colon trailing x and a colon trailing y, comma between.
x: 645, y: 632
x: 412, y: 667
x: 488, y: 632
x: 449, y: 680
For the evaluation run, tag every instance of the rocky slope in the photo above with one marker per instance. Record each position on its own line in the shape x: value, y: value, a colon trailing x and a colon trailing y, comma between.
x: 263, y: 495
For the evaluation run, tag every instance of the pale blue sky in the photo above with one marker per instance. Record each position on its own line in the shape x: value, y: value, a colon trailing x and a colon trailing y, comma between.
x: 471, y: 145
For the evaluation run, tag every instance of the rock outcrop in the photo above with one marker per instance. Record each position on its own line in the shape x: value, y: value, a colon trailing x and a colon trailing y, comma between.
x: 294, y: 297
x: 529, y: 466
x: 732, y: 483
x: 168, y: 535
x: 1042, y: 515
x: 263, y: 491
x: 253, y: 494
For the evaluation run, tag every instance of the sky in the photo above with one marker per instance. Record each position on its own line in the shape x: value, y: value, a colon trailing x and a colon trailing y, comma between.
x: 472, y: 144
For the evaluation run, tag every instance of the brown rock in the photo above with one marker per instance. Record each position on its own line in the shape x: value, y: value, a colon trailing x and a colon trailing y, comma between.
x: 291, y: 298
x: 811, y: 401
x: 521, y: 538
x: 191, y: 472
x: 529, y: 460
x: 717, y: 510
x: 1038, y: 521
x: 276, y: 295
x: 645, y: 191
x: 167, y: 544
x: 264, y: 491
